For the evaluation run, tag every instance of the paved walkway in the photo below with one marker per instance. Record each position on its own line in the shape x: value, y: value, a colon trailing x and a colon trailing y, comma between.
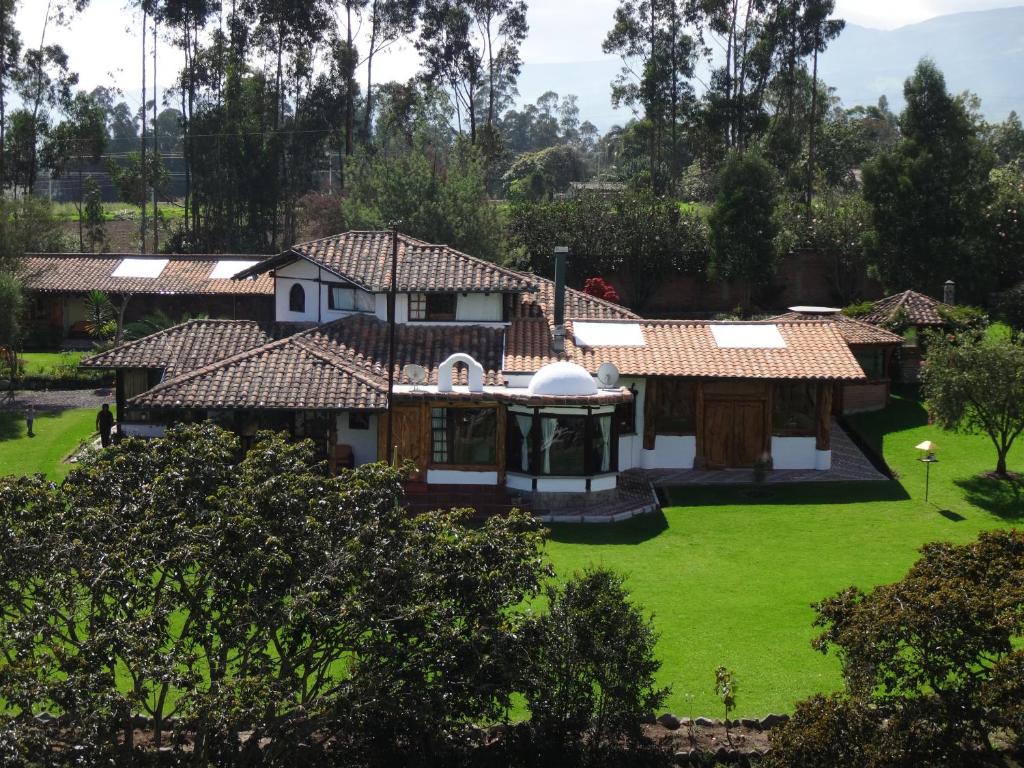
x: 56, y: 399
x: 848, y: 463
x: 635, y: 494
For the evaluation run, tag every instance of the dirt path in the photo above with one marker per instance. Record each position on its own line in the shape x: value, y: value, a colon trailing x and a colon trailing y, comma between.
x: 57, y: 400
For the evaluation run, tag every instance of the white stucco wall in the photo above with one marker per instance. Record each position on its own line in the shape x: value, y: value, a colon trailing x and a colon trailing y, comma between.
x: 561, y: 484
x: 306, y: 275
x: 363, y: 441
x: 603, y: 483
x: 793, y: 453
x: 519, y: 482
x: 482, y: 307
x: 461, y: 477
x: 670, y: 452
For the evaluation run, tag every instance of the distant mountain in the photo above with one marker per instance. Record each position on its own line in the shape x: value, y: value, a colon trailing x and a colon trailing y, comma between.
x: 979, y: 51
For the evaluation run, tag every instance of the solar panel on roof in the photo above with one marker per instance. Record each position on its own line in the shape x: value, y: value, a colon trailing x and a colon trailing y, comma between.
x: 225, y: 270
x: 140, y: 268
x: 748, y: 336
x: 607, y: 334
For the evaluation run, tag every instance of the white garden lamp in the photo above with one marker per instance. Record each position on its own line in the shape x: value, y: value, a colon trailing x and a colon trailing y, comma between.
x: 927, y: 449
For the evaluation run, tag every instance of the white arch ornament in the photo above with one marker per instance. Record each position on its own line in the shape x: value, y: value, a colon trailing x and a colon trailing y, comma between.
x: 476, y: 373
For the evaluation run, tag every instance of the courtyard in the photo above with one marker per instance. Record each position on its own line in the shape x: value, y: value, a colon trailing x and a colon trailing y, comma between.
x: 730, y: 572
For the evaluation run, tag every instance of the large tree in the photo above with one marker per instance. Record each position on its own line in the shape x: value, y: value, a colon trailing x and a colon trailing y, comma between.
x: 976, y: 385
x: 742, y: 223
x: 79, y: 140
x: 658, y: 58
x: 471, y: 48
x: 929, y: 192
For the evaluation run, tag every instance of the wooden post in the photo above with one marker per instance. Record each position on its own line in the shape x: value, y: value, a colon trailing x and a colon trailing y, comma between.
x: 699, y: 461
x: 823, y: 440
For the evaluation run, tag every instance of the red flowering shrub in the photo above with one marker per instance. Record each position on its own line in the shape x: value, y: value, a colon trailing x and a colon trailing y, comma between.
x: 597, y: 286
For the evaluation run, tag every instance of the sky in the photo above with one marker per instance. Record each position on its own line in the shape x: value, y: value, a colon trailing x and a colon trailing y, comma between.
x: 103, y: 44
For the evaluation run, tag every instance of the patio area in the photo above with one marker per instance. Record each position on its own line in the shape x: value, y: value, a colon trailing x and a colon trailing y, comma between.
x: 637, y: 490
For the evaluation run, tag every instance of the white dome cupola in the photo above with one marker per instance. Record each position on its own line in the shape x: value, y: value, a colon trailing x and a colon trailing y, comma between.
x: 562, y: 379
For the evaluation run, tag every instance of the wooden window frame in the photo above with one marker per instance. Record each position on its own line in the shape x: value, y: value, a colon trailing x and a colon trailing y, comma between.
x: 775, y: 399
x: 499, y: 437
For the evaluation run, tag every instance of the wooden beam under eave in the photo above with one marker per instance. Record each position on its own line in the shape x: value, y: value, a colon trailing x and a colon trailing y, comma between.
x: 823, y: 438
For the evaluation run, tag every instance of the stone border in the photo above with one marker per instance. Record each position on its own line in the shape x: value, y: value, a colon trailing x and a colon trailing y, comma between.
x: 618, y: 517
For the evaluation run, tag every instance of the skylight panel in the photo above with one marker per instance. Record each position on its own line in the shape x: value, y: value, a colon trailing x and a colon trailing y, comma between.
x: 748, y: 337
x: 608, y: 334
x: 140, y: 268
x: 225, y: 270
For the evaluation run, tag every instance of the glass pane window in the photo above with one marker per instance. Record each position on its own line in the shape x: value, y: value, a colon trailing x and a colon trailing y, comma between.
x: 464, y: 436
x: 296, y: 298
x: 872, y: 361
x: 340, y: 297
x: 417, y: 306
x: 441, y: 306
x: 794, y: 410
x: 563, y: 445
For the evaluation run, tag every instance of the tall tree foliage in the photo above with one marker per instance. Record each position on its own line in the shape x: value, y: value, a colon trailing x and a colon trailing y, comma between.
x: 977, y: 386
x: 743, y: 225
x: 471, y: 48
x: 659, y: 57
x: 929, y: 192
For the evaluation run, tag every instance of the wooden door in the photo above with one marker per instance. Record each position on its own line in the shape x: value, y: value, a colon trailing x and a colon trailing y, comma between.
x: 748, y: 433
x: 733, y: 433
x: 717, y: 433
x: 408, y: 435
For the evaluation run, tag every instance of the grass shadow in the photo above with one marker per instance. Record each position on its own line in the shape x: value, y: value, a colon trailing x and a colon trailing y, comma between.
x: 10, y: 425
x: 822, y: 494
x: 636, y: 530
x: 951, y: 515
x: 1002, y: 498
x: 905, y: 411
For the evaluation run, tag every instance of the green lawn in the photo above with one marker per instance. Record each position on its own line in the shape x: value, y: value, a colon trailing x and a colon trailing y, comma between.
x: 58, y: 433
x: 120, y: 210
x: 730, y: 573
x: 40, y: 363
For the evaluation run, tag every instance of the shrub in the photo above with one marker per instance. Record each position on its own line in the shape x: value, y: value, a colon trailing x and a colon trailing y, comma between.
x: 590, y: 676
x: 930, y: 664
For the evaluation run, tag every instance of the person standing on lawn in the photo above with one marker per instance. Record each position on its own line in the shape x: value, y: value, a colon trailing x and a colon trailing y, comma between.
x: 30, y: 416
x: 104, y: 424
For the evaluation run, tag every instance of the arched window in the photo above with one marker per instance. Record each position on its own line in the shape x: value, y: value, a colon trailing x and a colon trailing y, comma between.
x: 297, y: 299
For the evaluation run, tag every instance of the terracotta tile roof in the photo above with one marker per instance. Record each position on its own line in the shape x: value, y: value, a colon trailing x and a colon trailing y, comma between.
x: 853, y: 330
x: 578, y: 305
x: 363, y: 341
x: 290, y: 373
x: 364, y: 259
x: 185, y: 347
x: 338, y: 365
x: 814, y: 350
x: 80, y: 273
x: 918, y: 308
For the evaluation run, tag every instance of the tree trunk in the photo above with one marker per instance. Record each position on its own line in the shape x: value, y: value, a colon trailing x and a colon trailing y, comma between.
x: 368, y: 113
x: 350, y: 80
x: 156, y: 149
x: 81, y: 231
x: 142, y: 152
x: 1001, y: 464
x: 812, y: 132
x: 3, y: 95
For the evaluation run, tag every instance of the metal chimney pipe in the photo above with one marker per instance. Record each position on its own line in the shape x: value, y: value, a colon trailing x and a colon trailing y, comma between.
x: 949, y: 292
x: 558, y: 336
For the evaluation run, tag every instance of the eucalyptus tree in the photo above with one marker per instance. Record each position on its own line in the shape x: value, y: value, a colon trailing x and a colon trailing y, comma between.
x: 471, y: 48
x: 10, y: 55
x: 658, y: 59
x: 44, y: 82
x: 78, y: 140
x: 389, y: 21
